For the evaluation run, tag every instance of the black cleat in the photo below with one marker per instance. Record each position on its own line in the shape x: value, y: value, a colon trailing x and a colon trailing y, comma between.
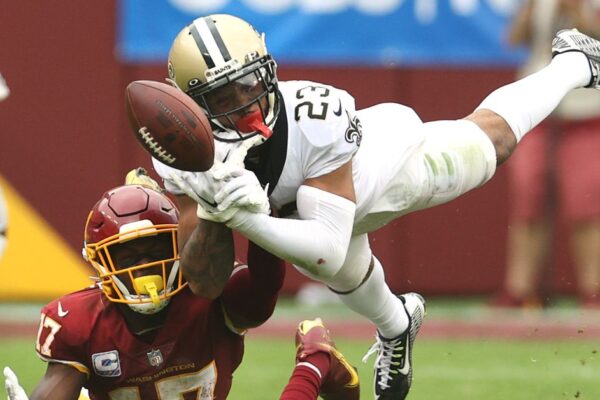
x: 393, y: 365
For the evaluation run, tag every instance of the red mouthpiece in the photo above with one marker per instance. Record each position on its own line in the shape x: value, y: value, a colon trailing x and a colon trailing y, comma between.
x: 253, y: 122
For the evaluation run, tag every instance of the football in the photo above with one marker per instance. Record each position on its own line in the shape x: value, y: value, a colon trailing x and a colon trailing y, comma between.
x: 170, y: 125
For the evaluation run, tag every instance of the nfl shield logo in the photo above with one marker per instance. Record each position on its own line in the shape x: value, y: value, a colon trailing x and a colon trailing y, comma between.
x: 155, y: 358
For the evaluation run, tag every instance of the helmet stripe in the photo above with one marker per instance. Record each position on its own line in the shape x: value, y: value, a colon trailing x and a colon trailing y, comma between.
x: 218, y: 39
x: 209, y: 42
x: 201, y: 46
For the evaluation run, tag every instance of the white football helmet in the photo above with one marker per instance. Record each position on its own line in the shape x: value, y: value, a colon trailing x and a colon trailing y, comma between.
x: 218, y: 53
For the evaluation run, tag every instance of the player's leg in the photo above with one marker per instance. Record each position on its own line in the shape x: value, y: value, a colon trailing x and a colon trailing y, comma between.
x: 454, y: 158
x: 360, y: 284
x: 511, y: 111
x: 529, y: 231
x: 320, y: 368
x: 579, y: 178
x: 584, y: 241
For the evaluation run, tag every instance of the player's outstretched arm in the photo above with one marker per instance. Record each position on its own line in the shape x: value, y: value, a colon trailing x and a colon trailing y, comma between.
x: 61, y: 382
x: 251, y: 293
x: 319, y: 240
x: 208, y: 253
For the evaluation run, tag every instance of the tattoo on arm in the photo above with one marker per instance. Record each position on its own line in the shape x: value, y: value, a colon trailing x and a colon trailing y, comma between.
x: 207, y: 258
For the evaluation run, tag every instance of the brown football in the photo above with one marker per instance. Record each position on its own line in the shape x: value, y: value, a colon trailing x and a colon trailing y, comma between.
x: 170, y: 125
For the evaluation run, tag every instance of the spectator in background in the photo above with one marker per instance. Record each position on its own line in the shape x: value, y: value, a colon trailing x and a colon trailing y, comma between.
x: 562, y: 156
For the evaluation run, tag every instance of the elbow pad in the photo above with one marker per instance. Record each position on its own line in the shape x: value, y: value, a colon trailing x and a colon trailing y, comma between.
x: 317, y: 242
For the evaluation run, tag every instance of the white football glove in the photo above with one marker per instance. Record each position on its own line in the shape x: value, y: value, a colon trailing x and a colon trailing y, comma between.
x: 202, y: 188
x: 243, y: 190
x: 13, y: 389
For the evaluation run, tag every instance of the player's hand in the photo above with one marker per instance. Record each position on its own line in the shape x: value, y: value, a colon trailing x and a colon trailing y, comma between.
x: 139, y: 176
x: 243, y: 190
x: 201, y: 187
x: 13, y: 389
x: 213, y: 214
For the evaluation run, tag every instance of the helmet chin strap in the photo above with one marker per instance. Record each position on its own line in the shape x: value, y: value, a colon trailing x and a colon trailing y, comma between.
x: 253, y: 122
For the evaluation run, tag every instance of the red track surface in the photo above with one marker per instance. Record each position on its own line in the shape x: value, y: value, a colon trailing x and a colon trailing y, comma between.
x: 457, y: 329
x: 504, y: 326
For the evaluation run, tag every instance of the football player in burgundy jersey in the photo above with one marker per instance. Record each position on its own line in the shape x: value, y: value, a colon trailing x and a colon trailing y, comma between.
x: 342, y: 172
x: 141, y: 333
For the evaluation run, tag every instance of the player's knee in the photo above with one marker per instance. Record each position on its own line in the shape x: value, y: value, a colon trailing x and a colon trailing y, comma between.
x: 323, y: 269
x: 350, y: 275
x: 497, y: 130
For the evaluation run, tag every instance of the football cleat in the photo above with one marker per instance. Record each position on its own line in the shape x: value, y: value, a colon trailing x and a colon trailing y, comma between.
x: 393, y: 365
x: 568, y: 40
x: 341, y: 381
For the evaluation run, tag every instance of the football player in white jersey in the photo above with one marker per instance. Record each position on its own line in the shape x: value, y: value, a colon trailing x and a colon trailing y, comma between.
x: 336, y: 173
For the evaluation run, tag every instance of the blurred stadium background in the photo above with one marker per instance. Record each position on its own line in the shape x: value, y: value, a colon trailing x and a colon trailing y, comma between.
x: 64, y: 140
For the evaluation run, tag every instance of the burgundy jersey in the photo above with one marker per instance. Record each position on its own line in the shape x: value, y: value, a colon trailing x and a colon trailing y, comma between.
x: 193, y: 356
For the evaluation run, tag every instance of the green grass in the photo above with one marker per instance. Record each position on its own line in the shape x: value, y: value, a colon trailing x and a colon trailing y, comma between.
x: 456, y: 369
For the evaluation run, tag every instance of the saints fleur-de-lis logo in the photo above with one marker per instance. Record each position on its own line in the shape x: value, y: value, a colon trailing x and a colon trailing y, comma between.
x: 354, y: 131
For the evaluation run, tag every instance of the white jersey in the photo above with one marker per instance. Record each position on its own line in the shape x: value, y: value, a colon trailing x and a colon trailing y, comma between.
x: 319, y: 130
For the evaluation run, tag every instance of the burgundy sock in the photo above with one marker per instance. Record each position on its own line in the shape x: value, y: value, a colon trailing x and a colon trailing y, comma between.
x: 304, y: 383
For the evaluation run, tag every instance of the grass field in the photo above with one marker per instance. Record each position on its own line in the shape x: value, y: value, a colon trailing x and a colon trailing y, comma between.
x: 460, y: 368
x: 456, y: 369
x: 490, y: 370
x: 444, y: 370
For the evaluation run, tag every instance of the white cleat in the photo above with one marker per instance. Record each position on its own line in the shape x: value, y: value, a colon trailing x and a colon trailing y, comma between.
x: 568, y: 40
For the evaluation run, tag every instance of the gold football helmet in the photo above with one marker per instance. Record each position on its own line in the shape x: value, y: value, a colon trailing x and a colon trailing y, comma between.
x: 222, y: 62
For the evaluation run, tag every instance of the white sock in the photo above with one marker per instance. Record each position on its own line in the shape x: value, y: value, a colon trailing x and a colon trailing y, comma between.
x: 527, y: 102
x: 375, y: 301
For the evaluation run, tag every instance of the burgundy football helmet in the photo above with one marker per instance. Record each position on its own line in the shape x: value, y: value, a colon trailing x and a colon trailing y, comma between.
x: 124, y: 216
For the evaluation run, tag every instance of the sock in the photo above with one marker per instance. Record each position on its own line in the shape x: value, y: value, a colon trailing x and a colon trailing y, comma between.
x: 525, y: 103
x: 305, y: 382
x: 374, y: 300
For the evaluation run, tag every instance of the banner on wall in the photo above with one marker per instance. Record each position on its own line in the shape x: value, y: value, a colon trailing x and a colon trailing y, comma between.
x: 36, y: 264
x: 368, y: 32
